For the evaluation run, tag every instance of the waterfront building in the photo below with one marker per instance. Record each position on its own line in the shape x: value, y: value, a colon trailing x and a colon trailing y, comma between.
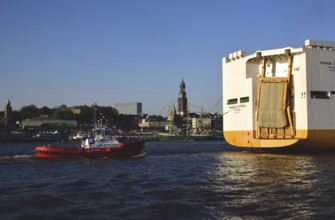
x: 48, y: 124
x: 129, y: 108
x: 217, y: 123
x: 154, y: 125
x: 76, y: 111
x: 200, y: 124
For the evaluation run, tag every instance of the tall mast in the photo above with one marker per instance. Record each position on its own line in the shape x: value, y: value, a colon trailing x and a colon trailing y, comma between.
x: 201, y: 115
x: 187, y: 119
x: 171, y: 117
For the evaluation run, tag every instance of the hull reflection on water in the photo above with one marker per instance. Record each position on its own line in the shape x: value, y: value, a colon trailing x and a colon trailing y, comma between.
x: 272, y: 185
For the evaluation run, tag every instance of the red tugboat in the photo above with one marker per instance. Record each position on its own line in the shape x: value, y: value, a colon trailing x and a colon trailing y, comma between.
x: 100, y: 145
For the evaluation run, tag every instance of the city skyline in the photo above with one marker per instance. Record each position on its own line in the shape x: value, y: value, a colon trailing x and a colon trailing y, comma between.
x: 107, y: 52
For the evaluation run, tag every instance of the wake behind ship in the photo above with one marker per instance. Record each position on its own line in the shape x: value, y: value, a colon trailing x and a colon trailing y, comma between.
x: 280, y: 98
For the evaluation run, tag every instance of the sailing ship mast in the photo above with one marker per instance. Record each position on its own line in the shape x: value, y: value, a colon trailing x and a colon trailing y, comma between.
x: 201, y: 115
x: 187, y: 119
x: 170, y: 118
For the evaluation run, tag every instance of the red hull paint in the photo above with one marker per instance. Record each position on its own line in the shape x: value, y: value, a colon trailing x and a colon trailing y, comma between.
x: 128, y: 149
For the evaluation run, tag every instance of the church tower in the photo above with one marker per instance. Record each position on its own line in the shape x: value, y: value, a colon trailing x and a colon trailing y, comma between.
x: 8, y: 113
x: 182, y: 100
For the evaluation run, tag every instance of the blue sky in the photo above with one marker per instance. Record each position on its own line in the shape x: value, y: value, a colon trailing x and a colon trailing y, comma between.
x: 78, y: 52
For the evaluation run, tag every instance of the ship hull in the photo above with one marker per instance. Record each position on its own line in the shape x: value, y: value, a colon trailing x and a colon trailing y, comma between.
x: 312, y: 139
x: 123, y: 150
x: 281, y: 98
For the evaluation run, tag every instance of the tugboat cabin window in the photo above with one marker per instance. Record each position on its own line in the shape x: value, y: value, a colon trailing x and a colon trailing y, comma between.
x: 232, y: 101
x: 320, y: 95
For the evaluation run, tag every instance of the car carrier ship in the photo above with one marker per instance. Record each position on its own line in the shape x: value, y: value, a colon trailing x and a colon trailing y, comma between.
x: 280, y: 98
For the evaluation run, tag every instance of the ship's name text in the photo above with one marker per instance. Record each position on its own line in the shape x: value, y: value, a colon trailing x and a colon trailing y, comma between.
x: 326, y: 63
x: 237, y: 108
x: 331, y: 65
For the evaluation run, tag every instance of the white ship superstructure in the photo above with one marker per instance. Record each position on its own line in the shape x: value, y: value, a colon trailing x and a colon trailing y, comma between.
x: 282, y: 97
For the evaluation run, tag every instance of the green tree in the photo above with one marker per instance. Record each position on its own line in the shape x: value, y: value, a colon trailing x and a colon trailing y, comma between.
x: 157, y: 118
x: 29, y: 111
x: 63, y: 107
x: 86, y: 115
x: 64, y: 114
x: 127, y: 122
x: 45, y: 111
x: 108, y: 114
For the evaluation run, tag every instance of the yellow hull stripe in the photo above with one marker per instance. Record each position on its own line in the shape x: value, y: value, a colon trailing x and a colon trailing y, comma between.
x: 304, y: 139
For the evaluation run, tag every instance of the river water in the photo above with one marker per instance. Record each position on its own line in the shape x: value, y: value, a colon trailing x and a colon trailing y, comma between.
x: 171, y: 180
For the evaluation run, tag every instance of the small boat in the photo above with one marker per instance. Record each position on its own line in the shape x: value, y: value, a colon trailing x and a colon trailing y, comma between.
x: 100, y: 145
x: 79, y: 136
x: 165, y: 136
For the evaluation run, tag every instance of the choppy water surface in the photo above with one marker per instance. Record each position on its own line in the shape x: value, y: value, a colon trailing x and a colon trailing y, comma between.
x: 177, y: 180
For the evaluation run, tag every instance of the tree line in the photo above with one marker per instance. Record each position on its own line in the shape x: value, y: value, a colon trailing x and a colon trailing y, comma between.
x: 85, y: 115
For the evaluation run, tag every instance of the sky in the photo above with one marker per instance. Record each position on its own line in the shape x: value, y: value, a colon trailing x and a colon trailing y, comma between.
x: 81, y: 52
